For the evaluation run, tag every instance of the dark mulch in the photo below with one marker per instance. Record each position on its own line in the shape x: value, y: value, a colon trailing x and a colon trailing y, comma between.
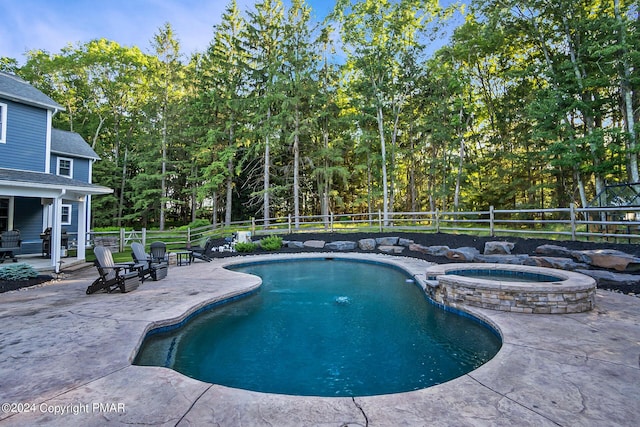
x: 522, y: 245
x: 12, y: 285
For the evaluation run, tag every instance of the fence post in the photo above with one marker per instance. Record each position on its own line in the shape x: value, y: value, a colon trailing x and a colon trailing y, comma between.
x: 437, y: 220
x: 121, y: 243
x: 379, y: 220
x: 331, y: 221
x: 572, y: 207
x: 289, y: 223
x: 144, y: 237
x: 188, y: 243
x: 491, y: 223
x: 253, y: 226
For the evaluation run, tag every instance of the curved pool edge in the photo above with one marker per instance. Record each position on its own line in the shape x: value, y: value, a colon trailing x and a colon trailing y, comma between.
x: 414, y: 268
x: 160, y: 325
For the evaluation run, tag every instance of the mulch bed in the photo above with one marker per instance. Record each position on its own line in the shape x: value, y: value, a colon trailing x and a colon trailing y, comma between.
x: 12, y: 285
x: 522, y: 245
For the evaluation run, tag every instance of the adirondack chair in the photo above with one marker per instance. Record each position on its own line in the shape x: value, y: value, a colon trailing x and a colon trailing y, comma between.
x: 151, y: 269
x: 159, y: 253
x: 203, y: 253
x: 10, y: 243
x: 124, y: 277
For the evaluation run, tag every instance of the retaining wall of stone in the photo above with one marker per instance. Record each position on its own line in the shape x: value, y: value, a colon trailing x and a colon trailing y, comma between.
x: 574, y: 293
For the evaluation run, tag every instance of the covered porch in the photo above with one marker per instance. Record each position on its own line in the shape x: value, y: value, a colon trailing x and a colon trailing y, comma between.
x: 43, y: 265
x: 51, y: 192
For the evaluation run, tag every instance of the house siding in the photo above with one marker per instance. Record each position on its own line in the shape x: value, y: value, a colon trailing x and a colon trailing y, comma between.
x: 29, y: 222
x: 25, y: 146
x: 80, y: 166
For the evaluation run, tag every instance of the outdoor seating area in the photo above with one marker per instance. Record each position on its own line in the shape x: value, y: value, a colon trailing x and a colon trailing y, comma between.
x: 112, y: 276
x: 152, y: 268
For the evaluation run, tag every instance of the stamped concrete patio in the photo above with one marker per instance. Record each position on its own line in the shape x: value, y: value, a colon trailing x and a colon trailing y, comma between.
x: 65, y: 359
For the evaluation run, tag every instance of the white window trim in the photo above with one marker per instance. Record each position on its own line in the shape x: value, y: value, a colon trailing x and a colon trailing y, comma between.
x: 70, y: 167
x: 3, y: 119
x: 70, y: 208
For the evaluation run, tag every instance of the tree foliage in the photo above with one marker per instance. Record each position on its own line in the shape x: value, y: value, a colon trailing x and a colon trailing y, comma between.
x: 530, y: 104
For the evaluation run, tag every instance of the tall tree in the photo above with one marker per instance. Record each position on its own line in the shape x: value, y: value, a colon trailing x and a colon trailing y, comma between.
x: 166, y: 89
x: 378, y: 35
x: 264, y: 43
x: 299, y: 67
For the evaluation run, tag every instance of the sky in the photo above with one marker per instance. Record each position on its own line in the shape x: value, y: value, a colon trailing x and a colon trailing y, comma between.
x: 51, y: 25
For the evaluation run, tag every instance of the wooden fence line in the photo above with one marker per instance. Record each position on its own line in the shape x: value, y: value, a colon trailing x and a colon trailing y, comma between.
x: 575, y: 223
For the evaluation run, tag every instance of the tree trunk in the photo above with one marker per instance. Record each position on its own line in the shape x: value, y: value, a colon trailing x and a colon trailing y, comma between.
x: 586, y: 98
x: 383, y: 148
x: 267, y: 163
x: 627, y: 96
x: 296, y: 169
x: 229, y: 199
x: 163, y: 179
x: 122, y: 182
x: 325, y: 179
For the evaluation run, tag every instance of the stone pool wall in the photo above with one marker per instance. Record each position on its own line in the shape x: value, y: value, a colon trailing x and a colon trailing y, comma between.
x: 454, y: 294
x: 574, y: 293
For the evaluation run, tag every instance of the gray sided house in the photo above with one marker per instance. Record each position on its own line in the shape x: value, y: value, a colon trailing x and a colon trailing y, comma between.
x: 45, y: 173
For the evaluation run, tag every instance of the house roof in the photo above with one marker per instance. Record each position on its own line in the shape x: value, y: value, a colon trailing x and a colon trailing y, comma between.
x: 71, y: 144
x: 16, y: 89
x: 45, y: 181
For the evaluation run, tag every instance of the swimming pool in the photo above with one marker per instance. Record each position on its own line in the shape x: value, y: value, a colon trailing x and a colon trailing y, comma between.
x: 332, y: 328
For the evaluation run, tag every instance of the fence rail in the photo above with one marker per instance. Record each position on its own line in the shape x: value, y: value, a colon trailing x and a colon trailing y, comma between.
x: 620, y: 224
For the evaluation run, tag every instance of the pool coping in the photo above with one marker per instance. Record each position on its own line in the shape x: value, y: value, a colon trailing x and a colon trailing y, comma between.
x: 62, y: 349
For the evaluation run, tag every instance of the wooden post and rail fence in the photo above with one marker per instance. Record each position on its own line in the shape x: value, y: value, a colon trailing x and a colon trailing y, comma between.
x: 619, y: 224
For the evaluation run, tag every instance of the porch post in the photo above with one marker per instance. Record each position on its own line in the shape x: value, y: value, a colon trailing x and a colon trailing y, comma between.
x: 55, y: 232
x: 82, y: 228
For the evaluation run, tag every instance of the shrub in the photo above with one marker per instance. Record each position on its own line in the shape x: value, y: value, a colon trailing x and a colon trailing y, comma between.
x: 246, y: 247
x: 19, y: 271
x: 271, y: 243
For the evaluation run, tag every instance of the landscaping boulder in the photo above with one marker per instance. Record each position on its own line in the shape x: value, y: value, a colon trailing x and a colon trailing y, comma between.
x: 295, y: 245
x: 560, y: 263
x: 498, y: 248
x: 391, y: 249
x: 462, y: 254
x: 314, y: 244
x: 615, y: 281
x: 430, y: 250
x: 342, y: 245
x: 521, y: 259
x: 367, y: 244
x: 554, y: 250
x: 387, y: 241
x: 405, y: 242
x: 608, y: 258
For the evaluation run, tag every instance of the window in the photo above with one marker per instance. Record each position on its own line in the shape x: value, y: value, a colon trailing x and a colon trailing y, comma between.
x: 65, y: 167
x: 4, y: 214
x: 66, y: 215
x: 3, y: 123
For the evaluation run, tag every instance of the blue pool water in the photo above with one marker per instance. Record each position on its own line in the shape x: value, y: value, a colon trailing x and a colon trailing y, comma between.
x: 325, y: 328
x: 505, y: 275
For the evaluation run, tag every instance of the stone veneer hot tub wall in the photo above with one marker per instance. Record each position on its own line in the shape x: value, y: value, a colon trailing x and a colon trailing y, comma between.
x: 574, y: 293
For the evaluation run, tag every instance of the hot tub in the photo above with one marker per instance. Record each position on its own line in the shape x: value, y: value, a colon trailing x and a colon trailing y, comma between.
x: 515, y: 288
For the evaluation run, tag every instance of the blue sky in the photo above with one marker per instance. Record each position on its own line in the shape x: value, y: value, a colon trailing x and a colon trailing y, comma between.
x: 52, y: 24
